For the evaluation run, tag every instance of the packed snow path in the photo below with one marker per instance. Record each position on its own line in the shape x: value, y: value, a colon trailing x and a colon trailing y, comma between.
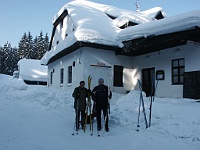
x: 38, y: 118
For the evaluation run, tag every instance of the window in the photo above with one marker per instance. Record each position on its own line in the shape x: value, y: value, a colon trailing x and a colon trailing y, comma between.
x: 178, y: 69
x: 118, y: 76
x: 128, y: 24
x: 51, y: 77
x: 159, y: 15
x: 70, y: 74
x: 112, y: 17
x: 61, y: 24
x: 61, y: 75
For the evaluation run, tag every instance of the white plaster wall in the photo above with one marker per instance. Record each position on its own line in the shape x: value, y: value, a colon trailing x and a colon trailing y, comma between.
x: 84, y: 57
x: 162, y: 61
x: 64, y: 62
x: 93, y: 56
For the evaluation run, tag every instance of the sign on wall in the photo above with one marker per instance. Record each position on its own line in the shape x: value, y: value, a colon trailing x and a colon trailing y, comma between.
x: 99, y: 64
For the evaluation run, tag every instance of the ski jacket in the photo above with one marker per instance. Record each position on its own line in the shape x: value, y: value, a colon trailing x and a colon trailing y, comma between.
x: 100, y: 94
x: 80, y: 95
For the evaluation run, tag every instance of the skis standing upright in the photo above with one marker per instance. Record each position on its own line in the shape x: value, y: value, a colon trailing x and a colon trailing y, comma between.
x: 143, y: 108
x: 89, y: 106
x: 152, y: 97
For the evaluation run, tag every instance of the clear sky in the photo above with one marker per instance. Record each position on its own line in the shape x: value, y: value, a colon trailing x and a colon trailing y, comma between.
x: 20, y: 16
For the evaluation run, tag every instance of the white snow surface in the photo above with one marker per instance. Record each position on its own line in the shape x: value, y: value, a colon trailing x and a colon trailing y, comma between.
x: 37, y: 117
x: 32, y: 70
x: 93, y: 25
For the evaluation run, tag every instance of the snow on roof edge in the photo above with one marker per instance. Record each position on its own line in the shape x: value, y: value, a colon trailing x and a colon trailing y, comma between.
x: 172, y: 24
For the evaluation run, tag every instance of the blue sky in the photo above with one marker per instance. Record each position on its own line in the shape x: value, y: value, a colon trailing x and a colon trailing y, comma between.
x: 20, y: 16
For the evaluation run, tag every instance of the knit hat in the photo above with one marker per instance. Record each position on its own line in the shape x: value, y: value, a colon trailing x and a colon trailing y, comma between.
x: 100, y: 79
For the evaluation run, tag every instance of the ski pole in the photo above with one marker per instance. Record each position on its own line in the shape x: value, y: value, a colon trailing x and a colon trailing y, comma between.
x: 92, y: 128
x: 74, y: 128
x: 77, y: 116
x: 139, y: 111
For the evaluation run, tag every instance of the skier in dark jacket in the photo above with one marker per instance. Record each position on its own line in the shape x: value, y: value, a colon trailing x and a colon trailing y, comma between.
x: 100, y: 95
x: 80, y: 94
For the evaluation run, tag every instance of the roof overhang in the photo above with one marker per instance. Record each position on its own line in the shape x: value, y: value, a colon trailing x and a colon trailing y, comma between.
x: 78, y: 45
x: 154, y: 43
x: 139, y: 46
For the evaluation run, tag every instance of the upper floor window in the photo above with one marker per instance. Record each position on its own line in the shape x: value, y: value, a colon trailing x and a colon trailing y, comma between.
x: 61, y: 24
x: 159, y: 15
x: 178, y: 69
x: 128, y: 24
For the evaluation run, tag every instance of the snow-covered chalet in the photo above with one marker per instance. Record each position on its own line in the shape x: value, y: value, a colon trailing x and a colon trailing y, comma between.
x: 122, y: 46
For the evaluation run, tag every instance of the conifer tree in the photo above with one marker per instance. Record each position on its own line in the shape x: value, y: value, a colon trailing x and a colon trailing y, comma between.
x: 6, y: 65
x: 22, y: 47
x: 30, y: 50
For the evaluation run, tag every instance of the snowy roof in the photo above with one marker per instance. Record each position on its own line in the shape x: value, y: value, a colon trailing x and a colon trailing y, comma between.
x: 100, y: 24
x: 172, y: 24
x: 32, y: 70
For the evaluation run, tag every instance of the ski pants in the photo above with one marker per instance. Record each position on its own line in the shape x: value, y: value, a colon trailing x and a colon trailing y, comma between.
x: 99, y: 108
x: 78, y: 114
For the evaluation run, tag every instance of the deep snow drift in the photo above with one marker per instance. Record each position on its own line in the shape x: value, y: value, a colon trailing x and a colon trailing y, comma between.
x: 37, y: 117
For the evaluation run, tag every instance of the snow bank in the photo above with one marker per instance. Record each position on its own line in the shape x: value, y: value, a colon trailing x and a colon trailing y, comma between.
x: 36, y: 115
x: 8, y: 83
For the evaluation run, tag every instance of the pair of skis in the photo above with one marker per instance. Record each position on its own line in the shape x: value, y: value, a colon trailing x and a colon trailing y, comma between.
x: 152, y: 97
x: 143, y: 107
x: 89, y: 105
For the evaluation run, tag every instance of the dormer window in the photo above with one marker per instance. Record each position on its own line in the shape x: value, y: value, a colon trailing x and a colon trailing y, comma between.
x: 159, y: 15
x: 112, y: 17
x: 61, y: 24
x: 128, y: 24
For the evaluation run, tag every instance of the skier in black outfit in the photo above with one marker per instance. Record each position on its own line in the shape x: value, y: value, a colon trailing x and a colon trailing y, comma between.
x: 100, y: 95
x: 80, y: 94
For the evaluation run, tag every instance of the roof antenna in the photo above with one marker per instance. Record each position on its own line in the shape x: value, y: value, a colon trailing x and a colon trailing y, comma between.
x: 137, y: 5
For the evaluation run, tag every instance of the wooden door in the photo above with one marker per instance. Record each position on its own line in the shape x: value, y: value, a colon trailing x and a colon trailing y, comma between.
x: 148, y: 81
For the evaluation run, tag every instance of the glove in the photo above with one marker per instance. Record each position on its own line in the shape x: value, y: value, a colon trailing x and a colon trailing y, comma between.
x: 89, y: 91
x: 77, y: 96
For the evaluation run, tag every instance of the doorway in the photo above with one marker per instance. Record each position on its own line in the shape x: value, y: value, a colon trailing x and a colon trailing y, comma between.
x: 148, y: 81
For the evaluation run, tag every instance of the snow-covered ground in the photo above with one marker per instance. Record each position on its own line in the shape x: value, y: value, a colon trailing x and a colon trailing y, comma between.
x: 40, y: 118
